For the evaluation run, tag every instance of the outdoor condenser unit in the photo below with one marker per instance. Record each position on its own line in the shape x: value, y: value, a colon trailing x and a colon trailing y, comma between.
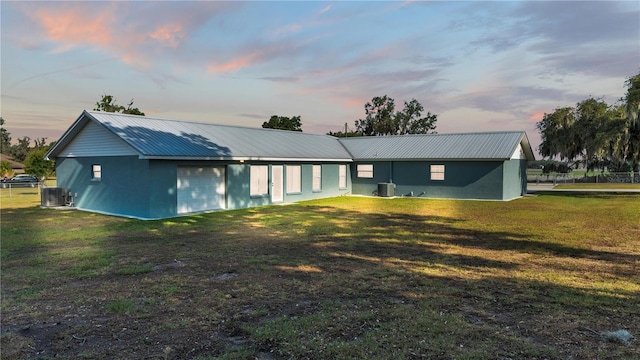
x: 52, y: 197
x: 386, y: 189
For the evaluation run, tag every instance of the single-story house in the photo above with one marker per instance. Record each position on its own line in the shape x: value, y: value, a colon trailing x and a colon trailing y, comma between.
x: 151, y: 168
x: 16, y: 167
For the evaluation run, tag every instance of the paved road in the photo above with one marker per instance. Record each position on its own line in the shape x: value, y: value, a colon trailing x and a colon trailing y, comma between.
x: 534, y: 188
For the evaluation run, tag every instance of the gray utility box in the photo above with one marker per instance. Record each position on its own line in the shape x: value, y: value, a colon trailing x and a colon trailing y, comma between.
x: 52, y: 197
x: 386, y: 189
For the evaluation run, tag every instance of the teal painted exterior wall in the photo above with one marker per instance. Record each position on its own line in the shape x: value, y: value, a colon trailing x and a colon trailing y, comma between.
x: 238, y: 181
x: 463, y: 179
x: 329, y: 183
x: 147, y: 189
x: 123, y: 189
x: 515, y: 179
x: 369, y: 186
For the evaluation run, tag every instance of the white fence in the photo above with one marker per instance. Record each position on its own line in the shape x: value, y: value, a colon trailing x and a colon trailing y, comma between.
x: 594, y: 178
x: 11, y: 189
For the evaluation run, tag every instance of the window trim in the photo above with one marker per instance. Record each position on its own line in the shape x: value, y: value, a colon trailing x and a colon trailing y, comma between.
x: 437, y: 172
x: 363, y: 171
x: 294, y: 186
x: 262, y: 187
x: 342, y: 176
x: 96, y: 172
x: 316, y: 179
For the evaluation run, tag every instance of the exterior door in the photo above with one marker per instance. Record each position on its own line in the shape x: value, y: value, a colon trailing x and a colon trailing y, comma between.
x: 277, y: 185
x: 200, y: 189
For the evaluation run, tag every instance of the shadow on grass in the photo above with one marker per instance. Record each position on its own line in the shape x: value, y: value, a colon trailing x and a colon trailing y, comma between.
x: 303, y: 273
x: 412, y: 237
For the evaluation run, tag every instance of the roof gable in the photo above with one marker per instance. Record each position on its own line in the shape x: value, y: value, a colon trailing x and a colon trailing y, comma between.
x: 94, y: 140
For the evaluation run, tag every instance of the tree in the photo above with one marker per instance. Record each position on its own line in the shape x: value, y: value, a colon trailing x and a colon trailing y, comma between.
x: 583, y: 132
x: 346, y: 133
x: 379, y: 118
x: 598, y: 133
x: 108, y: 104
x: 36, y: 165
x: 382, y: 120
x: 593, y: 130
x: 410, y: 121
x: 131, y: 110
x: 20, y: 150
x: 284, y: 123
x: 6, y: 170
x: 628, y: 143
x: 342, y: 134
x: 5, y: 138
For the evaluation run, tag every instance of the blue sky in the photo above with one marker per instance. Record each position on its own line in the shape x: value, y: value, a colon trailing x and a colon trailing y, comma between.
x: 481, y: 66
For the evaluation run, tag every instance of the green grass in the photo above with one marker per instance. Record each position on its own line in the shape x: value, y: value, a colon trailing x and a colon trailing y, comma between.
x: 340, y: 278
x: 120, y: 306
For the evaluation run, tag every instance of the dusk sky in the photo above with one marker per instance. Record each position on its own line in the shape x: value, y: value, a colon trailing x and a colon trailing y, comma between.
x: 481, y: 66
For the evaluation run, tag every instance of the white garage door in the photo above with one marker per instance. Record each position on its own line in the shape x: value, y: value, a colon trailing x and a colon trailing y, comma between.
x: 200, y: 189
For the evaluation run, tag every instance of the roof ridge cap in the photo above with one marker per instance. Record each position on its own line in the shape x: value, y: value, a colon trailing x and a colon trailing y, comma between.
x: 203, y: 123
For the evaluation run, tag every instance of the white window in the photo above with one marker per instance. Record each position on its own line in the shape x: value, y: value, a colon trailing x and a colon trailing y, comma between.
x: 294, y: 180
x: 259, y: 180
x: 365, y: 170
x: 96, y: 172
x: 342, y: 176
x: 317, y: 178
x: 437, y: 172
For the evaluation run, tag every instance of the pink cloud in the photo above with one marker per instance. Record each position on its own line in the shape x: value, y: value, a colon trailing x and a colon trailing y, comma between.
x: 170, y: 34
x: 118, y: 29
x: 255, y: 54
x: 237, y: 63
x: 536, y: 115
x: 71, y: 27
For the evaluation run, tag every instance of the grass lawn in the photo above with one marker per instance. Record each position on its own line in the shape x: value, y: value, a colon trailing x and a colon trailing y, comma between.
x: 544, y: 277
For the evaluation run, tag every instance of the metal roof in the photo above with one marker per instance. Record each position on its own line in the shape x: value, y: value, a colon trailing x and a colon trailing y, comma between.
x: 466, y: 146
x: 155, y: 138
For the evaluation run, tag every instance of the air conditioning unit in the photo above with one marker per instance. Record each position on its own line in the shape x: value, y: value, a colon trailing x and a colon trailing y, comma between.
x: 386, y: 189
x: 52, y: 197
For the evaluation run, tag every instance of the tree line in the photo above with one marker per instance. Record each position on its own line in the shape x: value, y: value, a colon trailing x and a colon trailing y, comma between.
x: 380, y: 119
x: 31, y: 156
x: 596, y: 133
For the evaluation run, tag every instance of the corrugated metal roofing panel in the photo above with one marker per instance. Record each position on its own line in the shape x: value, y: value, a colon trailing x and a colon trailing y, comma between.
x: 157, y: 138
x: 478, y: 146
x: 161, y: 138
